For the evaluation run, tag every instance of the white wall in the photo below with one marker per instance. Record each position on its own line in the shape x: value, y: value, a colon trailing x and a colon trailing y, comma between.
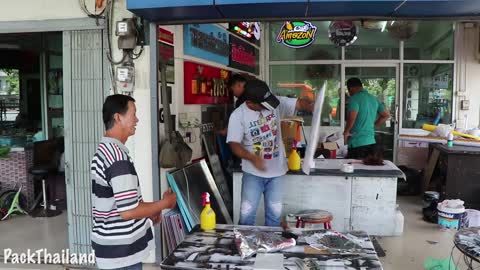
x: 178, y: 106
x: 41, y: 10
x: 471, y: 77
x: 140, y: 144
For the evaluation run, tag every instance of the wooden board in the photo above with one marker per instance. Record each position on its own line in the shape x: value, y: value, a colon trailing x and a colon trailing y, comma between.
x: 432, y: 163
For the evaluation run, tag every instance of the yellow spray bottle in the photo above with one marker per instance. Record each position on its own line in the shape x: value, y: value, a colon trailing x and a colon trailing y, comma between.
x: 294, y: 160
x: 207, y: 217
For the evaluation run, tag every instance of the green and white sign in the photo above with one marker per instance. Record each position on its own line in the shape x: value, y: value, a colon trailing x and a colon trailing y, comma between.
x: 297, y: 34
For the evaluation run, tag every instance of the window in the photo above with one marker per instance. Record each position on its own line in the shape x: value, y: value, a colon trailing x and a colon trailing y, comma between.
x: 9, y: 95
x: 427, y: 62
x: 373, y: 43
x: 321, y: 48
x: 304, y: 81
x: 431, y: 41
x: 428, y: 94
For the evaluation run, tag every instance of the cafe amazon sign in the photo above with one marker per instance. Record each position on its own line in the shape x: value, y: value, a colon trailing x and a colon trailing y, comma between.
x: 297, y: 34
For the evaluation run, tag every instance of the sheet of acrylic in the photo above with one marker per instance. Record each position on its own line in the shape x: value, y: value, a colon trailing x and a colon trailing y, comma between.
x: 191, y: 182
x: 187, y: 217
x: 216, y: 250
x: 208, y: 139
x: 308, y: 162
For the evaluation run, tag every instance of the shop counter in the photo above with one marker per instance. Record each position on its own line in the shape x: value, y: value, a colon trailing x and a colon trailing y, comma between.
x: 363, y: 200
x: 458, y: 167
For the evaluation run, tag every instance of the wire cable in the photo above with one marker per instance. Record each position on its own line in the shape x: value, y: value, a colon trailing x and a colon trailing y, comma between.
x: 134, y: 55
x: 84, y: 8
x: 109, y: 17
x: 140, y: 38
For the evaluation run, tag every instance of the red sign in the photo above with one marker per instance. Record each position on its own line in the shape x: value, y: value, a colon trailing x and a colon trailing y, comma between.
x: 205, y: 84
x: 165, y: 53
x: 165, y: 36
x: 240, y: 55
x: 243, y: 56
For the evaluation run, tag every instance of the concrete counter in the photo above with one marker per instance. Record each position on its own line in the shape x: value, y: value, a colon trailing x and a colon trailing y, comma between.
x: 364, y: 200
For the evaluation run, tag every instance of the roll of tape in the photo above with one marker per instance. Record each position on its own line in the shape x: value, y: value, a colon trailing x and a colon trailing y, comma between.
x: 347, y: 168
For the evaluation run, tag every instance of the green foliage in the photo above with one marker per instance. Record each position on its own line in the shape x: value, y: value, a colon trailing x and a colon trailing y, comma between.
x: 4, y: 150
x: 12, y: 81
x: 383, y: 89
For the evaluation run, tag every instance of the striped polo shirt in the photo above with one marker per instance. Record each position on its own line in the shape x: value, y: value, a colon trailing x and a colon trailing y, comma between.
x: 115, y: 188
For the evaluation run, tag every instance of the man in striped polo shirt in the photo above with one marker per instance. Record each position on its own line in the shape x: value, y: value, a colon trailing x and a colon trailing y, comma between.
x: 122, y: 235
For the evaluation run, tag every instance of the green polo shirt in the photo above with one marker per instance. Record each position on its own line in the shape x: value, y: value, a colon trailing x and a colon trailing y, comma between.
x: 367, y: 106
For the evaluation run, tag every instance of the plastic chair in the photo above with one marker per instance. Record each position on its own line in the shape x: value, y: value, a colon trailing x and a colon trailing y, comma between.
x: 314, y: 217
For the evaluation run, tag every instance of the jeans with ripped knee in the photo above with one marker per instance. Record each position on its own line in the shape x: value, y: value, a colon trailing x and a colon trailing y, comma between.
x: 252, y: 189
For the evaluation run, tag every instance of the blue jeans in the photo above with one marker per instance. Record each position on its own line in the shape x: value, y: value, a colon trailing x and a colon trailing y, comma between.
x: 137, y: 266
x: 252, y: 189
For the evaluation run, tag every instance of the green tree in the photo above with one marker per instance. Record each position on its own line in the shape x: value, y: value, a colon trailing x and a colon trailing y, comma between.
x: 12, y: 81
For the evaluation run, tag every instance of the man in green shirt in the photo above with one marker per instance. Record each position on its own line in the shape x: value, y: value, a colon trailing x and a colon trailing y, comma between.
x: 364, y: 113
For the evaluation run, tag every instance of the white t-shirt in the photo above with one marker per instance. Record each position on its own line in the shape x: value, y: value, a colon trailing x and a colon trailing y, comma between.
x: 260, y: 133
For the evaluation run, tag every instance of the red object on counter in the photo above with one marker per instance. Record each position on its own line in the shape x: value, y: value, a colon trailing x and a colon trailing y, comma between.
x: 333, y: 154
x: 205, y: 84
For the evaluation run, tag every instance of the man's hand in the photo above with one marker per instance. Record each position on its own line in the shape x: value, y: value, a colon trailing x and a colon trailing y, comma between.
x: 346, y: 136
x: 305, y: 105
x: 242, y: 153
x: 259, y: 163
x: 383, y: 117
x: 157, y: 219
x: 170, y: 198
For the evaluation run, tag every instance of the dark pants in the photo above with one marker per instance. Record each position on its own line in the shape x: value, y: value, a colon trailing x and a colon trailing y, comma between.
x: 361, y: 152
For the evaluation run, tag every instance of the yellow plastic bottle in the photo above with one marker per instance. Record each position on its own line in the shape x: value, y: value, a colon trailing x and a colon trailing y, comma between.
x: 207, y: 216
x: 294, y: 159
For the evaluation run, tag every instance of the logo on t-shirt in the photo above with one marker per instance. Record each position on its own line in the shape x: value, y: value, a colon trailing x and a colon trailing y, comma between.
x: 254, y: 132
x: 264, y: 136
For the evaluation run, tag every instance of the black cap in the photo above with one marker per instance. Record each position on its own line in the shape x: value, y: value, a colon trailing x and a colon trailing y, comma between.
x: 257, y: 91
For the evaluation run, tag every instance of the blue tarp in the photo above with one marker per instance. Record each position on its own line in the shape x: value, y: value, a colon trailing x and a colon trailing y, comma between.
x: 177, y: 11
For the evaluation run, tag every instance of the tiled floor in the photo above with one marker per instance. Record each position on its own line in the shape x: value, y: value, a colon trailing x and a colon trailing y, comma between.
x: 406, y: 252
x: 20, y: 233
x: 410, y: 250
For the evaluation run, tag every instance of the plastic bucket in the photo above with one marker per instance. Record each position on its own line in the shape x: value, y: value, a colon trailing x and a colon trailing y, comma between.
x: 429, y: 198
x: 451, y: 218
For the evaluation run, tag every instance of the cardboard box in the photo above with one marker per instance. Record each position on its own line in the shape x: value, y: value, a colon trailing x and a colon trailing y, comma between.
x: 332, y: 147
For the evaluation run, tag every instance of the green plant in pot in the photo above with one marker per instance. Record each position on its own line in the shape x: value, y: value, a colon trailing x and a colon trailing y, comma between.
x: 4, y: 150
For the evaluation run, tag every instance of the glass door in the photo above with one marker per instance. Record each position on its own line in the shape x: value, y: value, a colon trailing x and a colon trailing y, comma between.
x: 381, y: 81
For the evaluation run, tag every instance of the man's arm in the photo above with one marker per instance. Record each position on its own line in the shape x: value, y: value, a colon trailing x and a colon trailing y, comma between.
x: 243, y: 153
x: 352, y: 116
x: 305, y: 105
x: 383, y: 117
x: 149, y: 209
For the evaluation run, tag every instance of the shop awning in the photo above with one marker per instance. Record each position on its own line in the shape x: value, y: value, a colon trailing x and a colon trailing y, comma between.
x: 177, y: 11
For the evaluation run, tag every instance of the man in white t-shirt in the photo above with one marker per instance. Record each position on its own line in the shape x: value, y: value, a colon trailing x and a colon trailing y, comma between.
x: 254, y: 134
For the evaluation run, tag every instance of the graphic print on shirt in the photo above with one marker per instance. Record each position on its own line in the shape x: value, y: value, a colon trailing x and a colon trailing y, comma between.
x: 264, y: 136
